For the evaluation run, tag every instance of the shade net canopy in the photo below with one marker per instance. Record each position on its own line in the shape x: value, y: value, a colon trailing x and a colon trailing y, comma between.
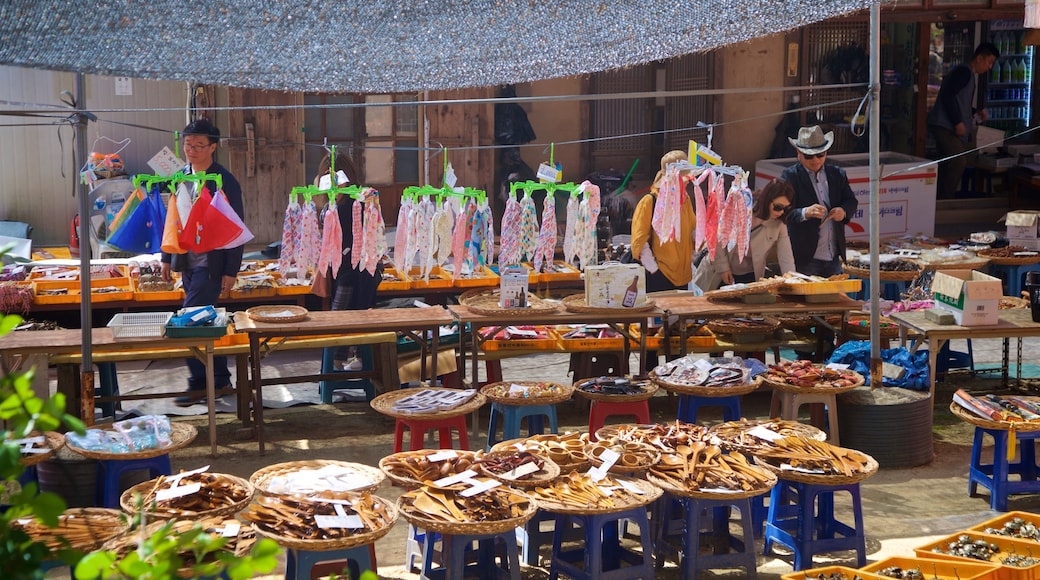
x: 381, y: 46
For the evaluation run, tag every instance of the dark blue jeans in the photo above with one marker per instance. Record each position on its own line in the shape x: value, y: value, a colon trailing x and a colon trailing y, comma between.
x: 199, y: 290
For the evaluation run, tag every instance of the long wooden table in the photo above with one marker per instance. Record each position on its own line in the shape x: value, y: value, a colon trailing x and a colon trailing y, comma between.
x: 685, y: 307
x: 413, y: 322
x: 16, y: 346
x: 1014, y: 323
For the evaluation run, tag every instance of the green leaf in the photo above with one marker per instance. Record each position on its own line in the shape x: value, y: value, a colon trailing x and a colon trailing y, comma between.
x: 95, y: 565
x: 8, y: 323
x: 47, y: 507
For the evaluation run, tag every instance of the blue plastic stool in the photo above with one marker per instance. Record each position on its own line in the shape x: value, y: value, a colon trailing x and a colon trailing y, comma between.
x: 328, y: 365
x: 601, y: 555
x: 298, y: 563
x: 953, y: 359
x: 110, y: 470
x: 801, y: 517
x: 511, y: 417
x: 995, y: 476
x: 689, y: 404
x: 454, y: 552
x: 1013, y: 276
x: 705, y: 518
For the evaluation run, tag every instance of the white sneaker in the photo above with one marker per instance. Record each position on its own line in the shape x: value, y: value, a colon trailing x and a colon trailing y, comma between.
x: 352, y: 365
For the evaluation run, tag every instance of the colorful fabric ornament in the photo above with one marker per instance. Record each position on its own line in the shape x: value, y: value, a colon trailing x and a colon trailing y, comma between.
x: 716, y: 198
x: 331, y: 253
x: 357, y: 233
x: 172, y: 228
x: 288, y: 255
x: 666, y: 220
x: 443, y: 221
x: 570, y: 251
x: 401, y: 263
x: 528, y: 227
x: 140, y: 229
x: 191, y: 237
x: 459, y: 239
x: 374, y: 246
x: 509, y: 241
x: 545, y: 250
x: 232, y: 232
x: 699, y: 209
x: 310, y: 238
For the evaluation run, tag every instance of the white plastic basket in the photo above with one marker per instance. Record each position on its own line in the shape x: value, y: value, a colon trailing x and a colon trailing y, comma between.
x: 139, y: 324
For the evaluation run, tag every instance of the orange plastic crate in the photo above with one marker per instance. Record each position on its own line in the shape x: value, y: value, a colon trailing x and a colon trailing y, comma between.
x: 388, y: 285
x: 72, y: 296
x: 552, y: 343
x: 282, y: 289
x: 588, y: 344
x: 483, y: 277
x: 826, y: 571
x: 999, y: 521
x: 1006, y: 545
x: 156, y: 295
x: 936, y: 569
x: 438, y: 278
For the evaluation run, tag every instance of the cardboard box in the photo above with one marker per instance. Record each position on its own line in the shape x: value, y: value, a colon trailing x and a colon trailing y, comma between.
x: 513, y: 287
x: 1023, y: 224
x: 971, y: 296
x: 615, y: 285
x: 1028, y: 243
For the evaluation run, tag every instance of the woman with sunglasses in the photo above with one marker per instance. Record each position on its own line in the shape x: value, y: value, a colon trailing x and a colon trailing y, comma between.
x: 768, y: 235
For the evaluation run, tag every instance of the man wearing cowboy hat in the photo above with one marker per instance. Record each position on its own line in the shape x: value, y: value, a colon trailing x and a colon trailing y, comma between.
x: 823, y: 203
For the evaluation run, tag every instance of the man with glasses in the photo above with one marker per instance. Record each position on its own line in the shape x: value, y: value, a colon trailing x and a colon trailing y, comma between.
x: 208, y: 275
x: 823, y: 204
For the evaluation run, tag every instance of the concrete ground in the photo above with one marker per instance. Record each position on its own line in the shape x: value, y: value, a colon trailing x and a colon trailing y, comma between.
x: 903, y: 507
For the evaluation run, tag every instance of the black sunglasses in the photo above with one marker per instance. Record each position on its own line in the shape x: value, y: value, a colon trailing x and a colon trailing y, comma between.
x: 781, y: 208
x: 815, y: 156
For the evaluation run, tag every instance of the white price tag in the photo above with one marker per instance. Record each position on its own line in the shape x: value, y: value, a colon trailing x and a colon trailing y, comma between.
x: 631, y: 487
x: 341, y: 178
x: 837, y: 366
x: 521, y: 470
x: 480, y: 487
x: 517, y: 389
x: 231, y: 529
x: 165, y: 163
x: 442, y: 455
x: 467, y: 475
x: 548, y: 173
x: 179, y: 491
x: 702, y: 364
x: 326, y: 522
x: 597, y: 473
x: 609, y: 458
x: 325, y: 182
x: 449, y: 176
x: 764, y: 433
x: 176, y: 478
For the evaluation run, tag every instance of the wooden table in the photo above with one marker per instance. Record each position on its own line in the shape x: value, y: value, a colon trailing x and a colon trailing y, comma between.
x: 410, y: 321
x: 685, y: 306
x: 1014, y: 323
x: 16, y: 346
x: 619, y: 321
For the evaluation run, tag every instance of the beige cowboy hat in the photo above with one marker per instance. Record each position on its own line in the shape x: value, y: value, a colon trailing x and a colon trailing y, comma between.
x: 812, y: 140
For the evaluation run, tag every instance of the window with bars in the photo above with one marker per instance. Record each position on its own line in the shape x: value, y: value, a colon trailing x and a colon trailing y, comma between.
x: 834, y: 53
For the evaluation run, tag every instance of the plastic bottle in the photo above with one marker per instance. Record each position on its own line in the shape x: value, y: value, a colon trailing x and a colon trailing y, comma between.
x: 1006, y: 72
x: 994, y: 73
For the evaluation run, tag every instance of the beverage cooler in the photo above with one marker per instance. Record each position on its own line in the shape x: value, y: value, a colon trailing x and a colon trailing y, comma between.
x: 1009, y: 88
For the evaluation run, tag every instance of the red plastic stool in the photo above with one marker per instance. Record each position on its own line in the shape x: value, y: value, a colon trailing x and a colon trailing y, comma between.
x: 600, y: 410
x: 418, y: 431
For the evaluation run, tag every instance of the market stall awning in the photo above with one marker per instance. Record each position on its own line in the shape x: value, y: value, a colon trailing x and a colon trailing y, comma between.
x: 375, y: 47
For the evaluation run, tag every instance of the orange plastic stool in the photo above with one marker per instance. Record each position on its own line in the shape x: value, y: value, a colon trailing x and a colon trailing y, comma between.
x: 418, y: 430
x: 600, y: 410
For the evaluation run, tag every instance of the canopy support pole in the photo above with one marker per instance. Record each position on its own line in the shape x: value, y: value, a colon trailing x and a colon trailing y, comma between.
x: 86, y: 410
x: 874, y: 126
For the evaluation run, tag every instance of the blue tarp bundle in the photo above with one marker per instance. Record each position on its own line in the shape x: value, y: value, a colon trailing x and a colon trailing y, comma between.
x: 856, y: 354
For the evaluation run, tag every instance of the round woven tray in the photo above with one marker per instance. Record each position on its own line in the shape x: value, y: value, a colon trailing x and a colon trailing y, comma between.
x: 100, y: 525
x: 407, y: 480
x: 643, y: 457
x: 671, y: 487
x: 757, y: 287
x: 782, y: 386
x: 701, y: 391
x: 576, y: 303
x: 417, y: 519
x: 817, y: 478
x: 261, y: 478
x: 649, y: 389
x: 573, y: 459
x: 384, y: 404
x: 485, y: 303
x: 721, y: 326
x: 1012, y: 303
x: 884, y: 275
x: 965, y: 265
x: 648, y: 433
x: 731, y: 432
x: 650, y: 494
x: 1009, y: 260
x: 969, y: 417
x: 181, y: 435
x: 128, y: 501
x: 328, y: 545
x: 277, y: 313
x: 889, y: 330
x: 53, y: 442
x: 544, y: 476
x: 796, y: 322
x: 566, y: 391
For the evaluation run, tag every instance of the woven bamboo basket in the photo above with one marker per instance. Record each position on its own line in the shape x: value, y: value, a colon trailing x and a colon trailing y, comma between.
x: 1009, y: 260
x: 566, y: 450
x: 543, y: 476
x: 782, y: 386
x: 262, y: 478
x: 632, y: 501
x: 973, y: 419
x: 757, y: 287
x: 146, y: 490
x: 53, y: 441
x: 1013, y: 303
x: 819, y: 478
x: 673, y: 487
x: 884, y: 275
x: 418, y: 518
x: 965, y: 265
x: 889, y: 327
x: 360, y: 538
x: 733, y: 434
x: 181, y: 435
x: 238, y: 545
x: 384, y: 404
x: 635, y: 457
x: 796, y: 322
x: 85, y: 529
x: 390, y: 466
x: 674, y: 433
x: 485, y: 303
x: 277, y: 313
x: 702, y: 391
x: 723, y: 326
x: 564, y: 393
x: 576, y: 303
x: 648, y: 388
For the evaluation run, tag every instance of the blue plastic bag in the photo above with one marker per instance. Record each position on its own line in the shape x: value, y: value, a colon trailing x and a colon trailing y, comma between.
x: 856, y: 354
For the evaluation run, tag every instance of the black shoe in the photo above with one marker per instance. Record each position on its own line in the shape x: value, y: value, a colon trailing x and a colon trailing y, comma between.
x: 190, y: 398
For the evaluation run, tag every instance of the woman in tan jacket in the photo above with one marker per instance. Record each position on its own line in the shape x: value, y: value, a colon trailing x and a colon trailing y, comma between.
x: 669, y: 265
